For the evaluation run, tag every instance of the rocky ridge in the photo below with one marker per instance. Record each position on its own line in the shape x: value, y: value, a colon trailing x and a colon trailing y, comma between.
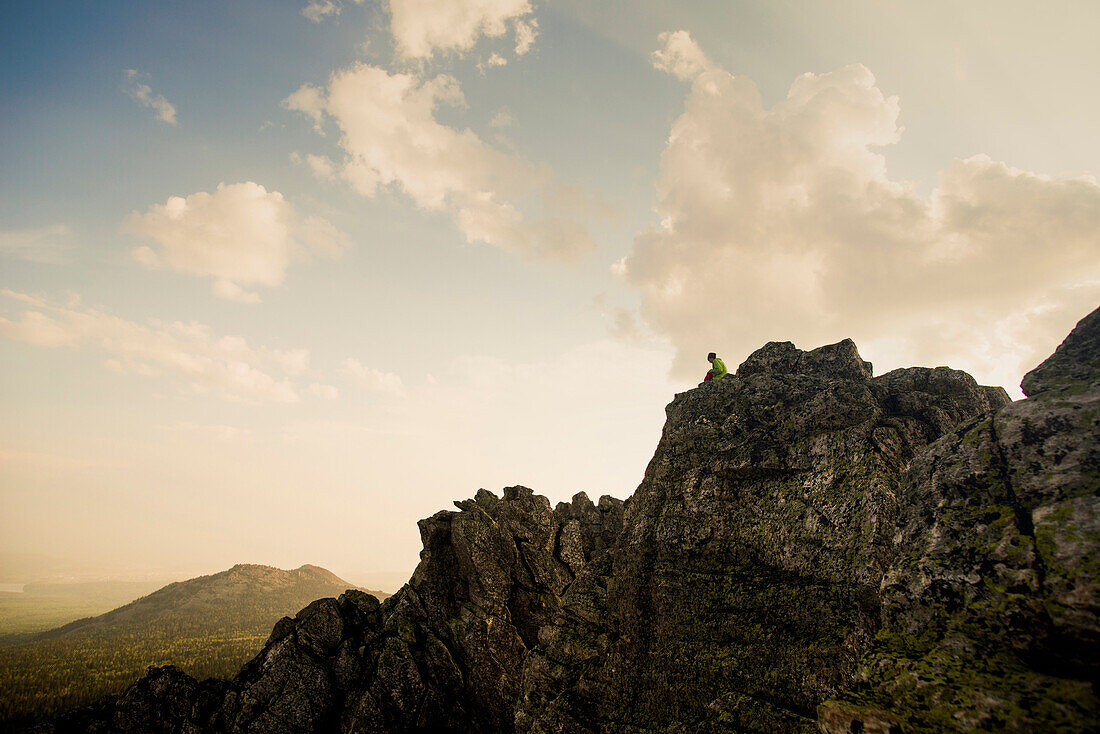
x: 812, y: 548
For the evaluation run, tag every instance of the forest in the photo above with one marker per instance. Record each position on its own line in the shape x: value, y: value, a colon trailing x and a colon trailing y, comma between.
x: 42, y: 678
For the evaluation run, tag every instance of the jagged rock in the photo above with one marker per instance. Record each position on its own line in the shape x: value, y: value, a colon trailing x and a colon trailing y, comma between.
x: 1074, y: 365
x: 812, y: 549
x: 990, y: 606
x: 751, y: 554
x: 443, y: 654
x: 165, y: 700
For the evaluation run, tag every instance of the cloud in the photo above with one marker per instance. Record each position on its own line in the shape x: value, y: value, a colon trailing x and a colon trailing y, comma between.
x: 420, y: 28
x: 502, y: 119
x: 371, y: 379
x: 782, y: 223
x: 494, y: 59
x: 186, y: 354
x: 526, y: 33
x: 142, y: 93
x: 310, y: 101
x: 321, y: 166
x: 38, y: 329
x: 680, y: 56
x: 392, y: 139
x: 242, y: 234
x: 318, y: 10
x: 49, y: 245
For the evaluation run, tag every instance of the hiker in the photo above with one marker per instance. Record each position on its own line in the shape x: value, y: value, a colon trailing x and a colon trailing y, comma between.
x: 717, y: 370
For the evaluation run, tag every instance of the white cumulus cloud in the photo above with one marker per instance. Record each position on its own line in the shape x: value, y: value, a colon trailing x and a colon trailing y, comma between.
x: 782, y: 223
x: 420, y: 28
x: 526, y: 33
x: 142, y: 93
x: 310, y: 101
x: 187, y: 355
x: 680, y: 56
x: 392, y: 139
x: 239, y: 235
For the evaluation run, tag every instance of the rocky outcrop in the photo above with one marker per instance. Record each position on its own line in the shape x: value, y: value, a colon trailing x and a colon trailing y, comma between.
x: 1074, y: 366
x: 745, y: 587
x: 991, y: 603
x: 443, y: 654
x: 812, y: 549
x: 449, y: 651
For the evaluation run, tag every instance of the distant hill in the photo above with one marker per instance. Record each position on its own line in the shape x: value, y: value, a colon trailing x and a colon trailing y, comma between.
x: 243, y: 597
x: 209, y: 626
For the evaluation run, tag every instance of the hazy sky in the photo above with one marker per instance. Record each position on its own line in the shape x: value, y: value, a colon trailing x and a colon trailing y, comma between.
x: 280, y: 278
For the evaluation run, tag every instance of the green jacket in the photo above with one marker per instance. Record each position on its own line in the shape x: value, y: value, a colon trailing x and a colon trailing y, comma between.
x: 718, y: 369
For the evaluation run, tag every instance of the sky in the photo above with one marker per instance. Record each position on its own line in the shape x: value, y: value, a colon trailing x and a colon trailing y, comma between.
x: 279, y: 278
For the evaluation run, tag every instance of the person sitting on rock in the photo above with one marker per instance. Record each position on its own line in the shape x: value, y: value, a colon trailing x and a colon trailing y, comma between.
x: 717, y: 370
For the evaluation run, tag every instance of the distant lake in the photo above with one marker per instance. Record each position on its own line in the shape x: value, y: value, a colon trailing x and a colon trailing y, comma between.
x: 12, y: 588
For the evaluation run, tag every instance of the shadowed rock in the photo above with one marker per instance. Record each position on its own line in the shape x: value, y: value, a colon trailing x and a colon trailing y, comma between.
x: 1075, y: 364
x: 744, y: 588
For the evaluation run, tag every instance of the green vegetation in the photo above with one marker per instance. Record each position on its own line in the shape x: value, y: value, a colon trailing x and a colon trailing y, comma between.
x: 209, y: 627
x: 46, y: 677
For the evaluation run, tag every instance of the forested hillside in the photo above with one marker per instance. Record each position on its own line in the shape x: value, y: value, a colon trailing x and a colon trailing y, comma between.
x: 208, y: 626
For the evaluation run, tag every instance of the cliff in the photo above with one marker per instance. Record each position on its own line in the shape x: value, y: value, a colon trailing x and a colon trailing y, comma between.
x: 812, y: 549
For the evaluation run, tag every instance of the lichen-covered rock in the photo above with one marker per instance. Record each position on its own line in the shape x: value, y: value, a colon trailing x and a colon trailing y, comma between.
x: 991, y: 606
x: 454, y: 638
x: 1074, y: 366
x: 746, y: 579
x: 812, y: 549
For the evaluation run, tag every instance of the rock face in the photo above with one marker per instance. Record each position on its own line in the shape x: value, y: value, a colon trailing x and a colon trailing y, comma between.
x: 744, y: 590
x: 812, y: 549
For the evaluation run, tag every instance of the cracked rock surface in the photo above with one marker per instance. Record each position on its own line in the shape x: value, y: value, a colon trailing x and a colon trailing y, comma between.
x: 812, y: 549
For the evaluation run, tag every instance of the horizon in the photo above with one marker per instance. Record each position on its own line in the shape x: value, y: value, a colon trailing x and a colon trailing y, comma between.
x: 281, y: 279
x: 68, y: 571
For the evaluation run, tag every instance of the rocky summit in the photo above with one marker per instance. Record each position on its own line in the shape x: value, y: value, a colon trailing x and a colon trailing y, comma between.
x: 812, y: 549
